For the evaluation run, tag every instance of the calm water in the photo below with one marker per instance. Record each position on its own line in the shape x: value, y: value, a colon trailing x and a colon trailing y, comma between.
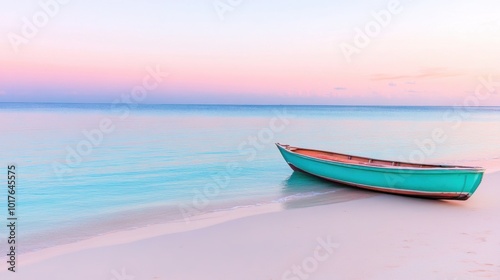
x: 154, y: 164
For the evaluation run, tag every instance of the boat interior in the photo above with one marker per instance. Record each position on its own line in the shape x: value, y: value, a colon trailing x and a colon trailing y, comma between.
x: 355, y: 159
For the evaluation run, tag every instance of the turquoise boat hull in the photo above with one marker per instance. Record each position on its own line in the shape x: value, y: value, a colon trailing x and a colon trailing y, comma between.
x: 431, y: 181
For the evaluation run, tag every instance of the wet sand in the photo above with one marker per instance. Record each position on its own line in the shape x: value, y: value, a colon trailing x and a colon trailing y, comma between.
x: 347, y: 234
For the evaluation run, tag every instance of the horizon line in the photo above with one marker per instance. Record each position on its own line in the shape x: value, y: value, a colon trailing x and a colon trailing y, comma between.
x: 216, y: 104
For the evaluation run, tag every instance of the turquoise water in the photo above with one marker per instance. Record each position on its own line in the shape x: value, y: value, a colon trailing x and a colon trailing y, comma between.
x: 160, y: 163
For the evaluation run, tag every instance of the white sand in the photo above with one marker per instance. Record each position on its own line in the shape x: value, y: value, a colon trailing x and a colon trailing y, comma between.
x: 377, y: 237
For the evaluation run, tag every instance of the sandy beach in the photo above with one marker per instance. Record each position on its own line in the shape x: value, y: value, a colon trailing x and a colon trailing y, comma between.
x: 364, y: 236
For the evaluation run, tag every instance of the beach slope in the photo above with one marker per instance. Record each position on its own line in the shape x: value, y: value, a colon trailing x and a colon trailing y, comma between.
x: 380, y: 236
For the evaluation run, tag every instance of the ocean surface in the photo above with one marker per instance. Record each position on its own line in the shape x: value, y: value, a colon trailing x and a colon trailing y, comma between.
x: 89, y: 169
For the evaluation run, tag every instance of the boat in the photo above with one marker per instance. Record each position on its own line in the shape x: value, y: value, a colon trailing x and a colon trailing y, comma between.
x: 411, y: 179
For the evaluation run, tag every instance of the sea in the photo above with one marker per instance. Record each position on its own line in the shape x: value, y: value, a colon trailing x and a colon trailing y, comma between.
x: 84, y: 170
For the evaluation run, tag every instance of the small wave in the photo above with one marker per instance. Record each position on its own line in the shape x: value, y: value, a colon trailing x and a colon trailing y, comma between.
x: 298, y: 196
x: 293, y: 197
x: 239, y: 207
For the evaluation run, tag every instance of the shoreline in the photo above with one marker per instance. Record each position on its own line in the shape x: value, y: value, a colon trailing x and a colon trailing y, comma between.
x: 146, y: 232
x: 217, y: 216
x: 470, y: 228
x: 167, y: 218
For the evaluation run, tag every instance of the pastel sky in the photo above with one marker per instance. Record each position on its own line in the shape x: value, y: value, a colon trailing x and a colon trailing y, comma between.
x: 252, y: 52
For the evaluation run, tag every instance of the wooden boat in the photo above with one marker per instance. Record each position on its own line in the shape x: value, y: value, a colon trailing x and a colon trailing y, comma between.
x: 423, y: 180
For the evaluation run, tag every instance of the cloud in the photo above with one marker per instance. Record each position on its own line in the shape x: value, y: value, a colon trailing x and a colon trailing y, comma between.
x: 391, y: 84
x: 426, y: 73
x: 340, y: 88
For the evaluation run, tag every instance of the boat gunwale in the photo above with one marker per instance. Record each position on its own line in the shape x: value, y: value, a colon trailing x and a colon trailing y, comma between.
x: 393, y: 167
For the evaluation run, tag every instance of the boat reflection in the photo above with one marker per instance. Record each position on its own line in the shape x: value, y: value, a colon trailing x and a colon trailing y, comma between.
x: 302, y: 190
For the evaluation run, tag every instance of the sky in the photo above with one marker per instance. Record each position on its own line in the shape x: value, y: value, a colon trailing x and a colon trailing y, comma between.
x: 360, y: 52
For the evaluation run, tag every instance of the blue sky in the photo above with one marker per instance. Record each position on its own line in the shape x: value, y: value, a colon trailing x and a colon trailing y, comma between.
x: 258, y: 52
